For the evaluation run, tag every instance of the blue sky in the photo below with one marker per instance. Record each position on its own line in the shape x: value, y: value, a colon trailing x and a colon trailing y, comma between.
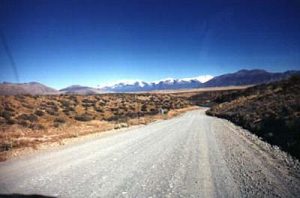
x: 60, y: 43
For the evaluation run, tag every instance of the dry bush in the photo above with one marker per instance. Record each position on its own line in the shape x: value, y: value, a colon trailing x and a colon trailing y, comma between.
x: 144, y: 107
x: 99, y: 109
x: 59, y: 120
x: 11, y: 121
x: 24, y: 123
x: 50, y: 103
x: 83, y: 117
x: 39, y: 113
x: 6, y: 114
x: 65, y: 103
x: 36, y: 126
x: 29, y: 117
x: 52, y: 111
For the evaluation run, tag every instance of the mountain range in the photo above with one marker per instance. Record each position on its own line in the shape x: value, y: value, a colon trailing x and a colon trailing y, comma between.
x: 242, y: 77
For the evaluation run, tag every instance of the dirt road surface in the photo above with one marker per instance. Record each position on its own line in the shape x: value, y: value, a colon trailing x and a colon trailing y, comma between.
x: 192, y: 155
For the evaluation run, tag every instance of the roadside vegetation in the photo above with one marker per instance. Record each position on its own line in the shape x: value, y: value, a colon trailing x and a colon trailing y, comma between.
x: 271, y: 111
x: 26, y: 121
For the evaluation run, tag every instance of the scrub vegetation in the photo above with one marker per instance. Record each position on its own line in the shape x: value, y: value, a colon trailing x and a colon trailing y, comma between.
x: 271, y: 111
x: 26, y: 120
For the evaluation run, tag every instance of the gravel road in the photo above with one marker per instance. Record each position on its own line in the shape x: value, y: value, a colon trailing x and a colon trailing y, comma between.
x: 192, y: 155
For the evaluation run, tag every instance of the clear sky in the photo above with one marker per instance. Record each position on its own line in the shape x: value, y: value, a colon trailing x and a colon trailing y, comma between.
x: 60, y: 43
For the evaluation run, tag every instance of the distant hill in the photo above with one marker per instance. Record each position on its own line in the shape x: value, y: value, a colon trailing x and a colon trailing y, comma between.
x: 32, y: 88
x: 247, y: 77
x: 80, y: 90
x: 271, y: 111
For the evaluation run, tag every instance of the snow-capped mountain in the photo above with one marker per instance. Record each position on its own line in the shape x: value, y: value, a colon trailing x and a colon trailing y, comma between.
x: 242, y: 77
x: 165, y: 84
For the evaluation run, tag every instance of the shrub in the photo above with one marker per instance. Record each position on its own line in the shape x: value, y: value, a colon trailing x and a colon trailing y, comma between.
x: 51, y: 112
x: 131, y: 114
x: 6, y: 146
x: 49, y: 103
x: 144, y: 107
x: 6, y: 114
x: 59, y: 120
x: 29, y: 117
x: 102, y: 103
x: 32, y: 117
x: 37, y: 126
x: 24, y: 123
x: 112, y: 118
x: 65, y: 103
x: 74, y: 98
x: 11, y: 121
x: 68, y: 110
x: 84, y: 117
x: 8, y: 108
x: 153, y: 111
x: 39, y: 113
x: 2, y: 121
x: 88, y: 101
x: 86, y: 105
x: 100, y: 110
